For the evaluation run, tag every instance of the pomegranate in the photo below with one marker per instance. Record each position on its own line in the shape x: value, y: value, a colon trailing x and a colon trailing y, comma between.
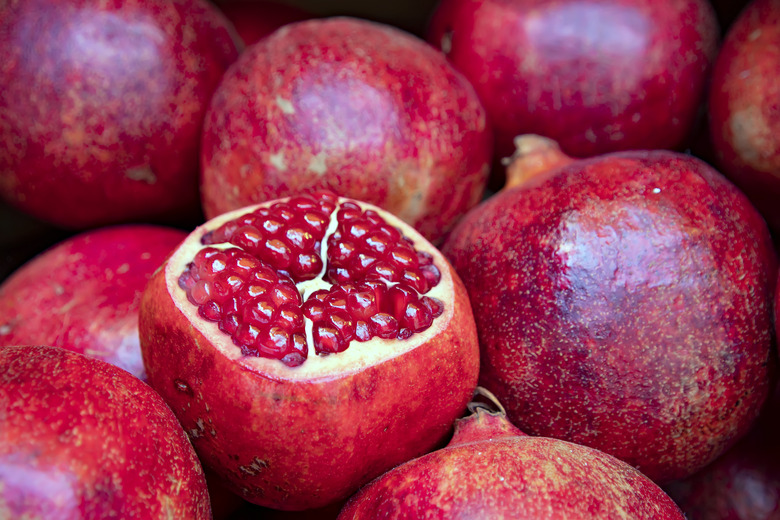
x: 83, y: 439
x: 357, y: 107
x: 83, y: 293
x: 623, y: 302
x: 256, y: 19
x: 743, y: 483
x: 595, y: 76
x: 490, y: 469
x: 744, y: 113
x: 307, y: 345
x: 103, y: 104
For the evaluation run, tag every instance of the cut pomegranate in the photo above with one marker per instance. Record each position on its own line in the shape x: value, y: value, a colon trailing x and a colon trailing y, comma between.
x: 306, y: 328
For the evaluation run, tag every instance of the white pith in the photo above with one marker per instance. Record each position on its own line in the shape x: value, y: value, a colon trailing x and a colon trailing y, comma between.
x: 358, y: 355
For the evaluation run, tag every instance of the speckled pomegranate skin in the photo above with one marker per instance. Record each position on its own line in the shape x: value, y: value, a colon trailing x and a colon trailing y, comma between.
x: 103, y: 105
x: 360, y: 108
x: 83, y: 293
x: 505, y: 475
x: 624, y: 302
x: 744, y: 112
x: 595, y: 76
x: 81, y: 439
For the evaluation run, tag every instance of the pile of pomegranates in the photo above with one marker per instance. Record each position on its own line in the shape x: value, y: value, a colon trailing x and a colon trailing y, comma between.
x: 292, y: 260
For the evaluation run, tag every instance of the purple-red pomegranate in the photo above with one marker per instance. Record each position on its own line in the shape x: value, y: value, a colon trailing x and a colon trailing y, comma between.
x: 308, y: 345
x: 83, y: 293
x: 103, y: 104
x: 490, y: 469
x: 744, y: 112
x: 743, y: 483
x: 256, y: 19
x: 81, y: 439
x: 623, y: 302
x: 595, y: 76
x: 360, y: 108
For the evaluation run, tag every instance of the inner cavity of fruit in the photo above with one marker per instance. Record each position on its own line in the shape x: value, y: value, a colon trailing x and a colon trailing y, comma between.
x: 290, y: 278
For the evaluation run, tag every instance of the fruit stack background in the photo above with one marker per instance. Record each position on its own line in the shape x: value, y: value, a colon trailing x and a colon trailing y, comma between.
x: 460, y: 141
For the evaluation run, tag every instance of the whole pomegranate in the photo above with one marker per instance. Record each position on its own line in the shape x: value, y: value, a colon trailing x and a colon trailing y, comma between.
x: 256, y: 19
x: 103, y: 104
x: 308, y: 345
x: 81, y: 439
x: 490, y: 469
x: 741, y: 484
x: 597, y: 76
x: 83, y: 293
x: 357, y: 107
x: 744, y: 114
x: 623, y: 302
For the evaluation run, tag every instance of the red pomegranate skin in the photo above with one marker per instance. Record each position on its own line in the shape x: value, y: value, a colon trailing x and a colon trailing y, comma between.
x: 624, y: 302
x: 741, y: 484
x: 493, y: 470
x: 597, y: 77
x: 83, y: 293
x: 256, y: 19
x: 357, y: 107
x: 103, y: 105
x: 81, y: 439
x: 744, y: 114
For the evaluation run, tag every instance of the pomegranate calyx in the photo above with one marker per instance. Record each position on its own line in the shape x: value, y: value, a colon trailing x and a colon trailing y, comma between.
x: 535, y: 158
x: 487, y: 420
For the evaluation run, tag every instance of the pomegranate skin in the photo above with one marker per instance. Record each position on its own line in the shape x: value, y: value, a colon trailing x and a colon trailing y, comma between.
x: 291, y: 442
x: 624, y: 302
x: 744, y: 115
x: 595, y: 76
x: 103, y: 105
x: 83, y: 293
x: 741, y: 484
x: 508, y: 475
x: 256, y: 19
x: 357, y: 107
x: 81, y: 439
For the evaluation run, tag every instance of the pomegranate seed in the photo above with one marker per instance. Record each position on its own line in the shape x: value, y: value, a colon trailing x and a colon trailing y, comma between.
x: 210, y: 311
x: 229, y: 324
x: 416, y: 317
x: 362, y: 331
x: 342, y: 322
x: 247, y: 238
x: 327, y: 339
x: 259, y: 312
x: 275, y: 344
x: 383, y: 325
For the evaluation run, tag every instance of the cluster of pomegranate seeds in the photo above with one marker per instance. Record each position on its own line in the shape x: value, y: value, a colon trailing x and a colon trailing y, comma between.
x: 377, y: 279
x: 255, y: 305
x: 286, y: 235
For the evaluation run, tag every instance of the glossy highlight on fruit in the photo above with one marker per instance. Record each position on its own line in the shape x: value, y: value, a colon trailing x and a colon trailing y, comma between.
x: 597, y: 77
x: 623, y: 302
x: 356, y: 107
x: 314, y: 328
x: 81, y: 439
x: 103, y: 105
x: 83, y: 293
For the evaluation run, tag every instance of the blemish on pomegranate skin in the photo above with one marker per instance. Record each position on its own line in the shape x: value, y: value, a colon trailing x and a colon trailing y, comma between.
x: 277, y: 161
x: 255, y: 467
x: 141, y: 174
x: 285, y: 104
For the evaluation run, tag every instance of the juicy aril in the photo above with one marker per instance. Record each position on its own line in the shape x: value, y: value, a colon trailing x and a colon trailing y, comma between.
x: 743, y: 106
x: 596, y: 76
x: 103, y: 105
x: 308, y: 345
x: 490, y: 469
x: 623, y: 302
x: 352, y: 106
x: 83, y: 293
x: 81, y: 439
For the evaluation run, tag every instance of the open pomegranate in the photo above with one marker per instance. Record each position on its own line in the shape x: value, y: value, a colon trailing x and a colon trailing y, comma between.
x: 357, y: 107
x: 307, y: 345
x: 491, y: 469
x: 597, y: 76
x: 83, y: 293
x: 102, y: 107
x: 623, y: 302
x: 81, y: 439
x: 743, y: 108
